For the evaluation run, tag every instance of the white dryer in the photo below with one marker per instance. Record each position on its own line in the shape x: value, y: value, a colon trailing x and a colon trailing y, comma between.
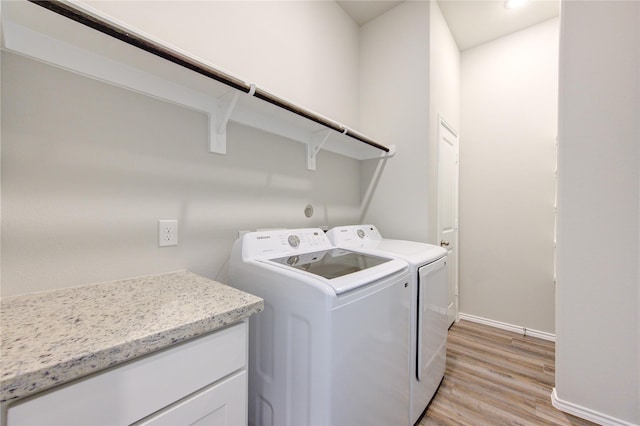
x: 331, y: 345
x: 429, y: 301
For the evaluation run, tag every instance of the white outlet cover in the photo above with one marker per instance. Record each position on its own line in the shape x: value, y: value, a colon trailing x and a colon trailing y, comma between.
x: 167, y: 233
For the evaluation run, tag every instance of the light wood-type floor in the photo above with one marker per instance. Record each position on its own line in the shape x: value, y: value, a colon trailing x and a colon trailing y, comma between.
x: 496, y: 377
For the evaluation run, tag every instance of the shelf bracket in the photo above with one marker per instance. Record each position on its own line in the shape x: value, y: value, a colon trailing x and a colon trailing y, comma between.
x: 218, y: 122
x: 317, y: 141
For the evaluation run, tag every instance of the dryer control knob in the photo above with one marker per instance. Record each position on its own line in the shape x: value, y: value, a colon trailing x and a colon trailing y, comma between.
x: 294, y: 241
x: 360, y: 233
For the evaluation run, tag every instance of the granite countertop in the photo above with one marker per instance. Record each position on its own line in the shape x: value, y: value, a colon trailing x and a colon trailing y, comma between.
x: 50, y: 338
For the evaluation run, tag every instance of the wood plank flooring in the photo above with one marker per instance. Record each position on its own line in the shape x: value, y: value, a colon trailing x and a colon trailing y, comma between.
x: 496, y: 377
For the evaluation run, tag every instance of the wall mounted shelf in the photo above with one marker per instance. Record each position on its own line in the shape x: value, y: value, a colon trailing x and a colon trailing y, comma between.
x: 78, y: 38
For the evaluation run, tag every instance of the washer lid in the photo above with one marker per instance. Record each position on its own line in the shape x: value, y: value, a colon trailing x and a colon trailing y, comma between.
x: 332, y: 263
x: 343, y: 270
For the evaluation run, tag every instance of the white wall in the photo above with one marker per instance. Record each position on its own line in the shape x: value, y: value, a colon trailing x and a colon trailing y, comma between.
x: 507, y: 190
x: 0, y: 154
x: 303, y: 51
x: 444, y: 100
x: 85, y: 177
x: 597, y: 350
x: 394, y: 108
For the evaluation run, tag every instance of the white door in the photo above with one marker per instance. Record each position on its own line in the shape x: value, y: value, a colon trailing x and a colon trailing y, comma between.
x: 448, y: 207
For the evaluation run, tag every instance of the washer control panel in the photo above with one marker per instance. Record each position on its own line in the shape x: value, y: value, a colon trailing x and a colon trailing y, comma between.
x: 284, y: 241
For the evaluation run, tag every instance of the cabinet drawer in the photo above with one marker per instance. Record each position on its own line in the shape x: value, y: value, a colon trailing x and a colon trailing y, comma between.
x: 127, y: 393
x: 222, y: 404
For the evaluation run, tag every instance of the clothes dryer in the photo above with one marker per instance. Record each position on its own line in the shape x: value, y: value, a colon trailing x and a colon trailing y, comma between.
x: 331, y: 345
x: 428, y: 313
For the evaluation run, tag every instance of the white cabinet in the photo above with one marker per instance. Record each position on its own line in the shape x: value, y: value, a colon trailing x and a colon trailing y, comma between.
x: 202, y: 381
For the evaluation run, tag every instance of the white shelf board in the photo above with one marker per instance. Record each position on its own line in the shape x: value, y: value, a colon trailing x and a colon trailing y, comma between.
x: 36, y: 32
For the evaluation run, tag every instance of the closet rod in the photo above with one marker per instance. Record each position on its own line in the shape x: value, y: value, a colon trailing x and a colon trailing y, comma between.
x: 65, y: 9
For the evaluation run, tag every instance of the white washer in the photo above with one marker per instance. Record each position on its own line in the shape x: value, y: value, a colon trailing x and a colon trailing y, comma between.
x: 331, y: 345
x: 429, y: 324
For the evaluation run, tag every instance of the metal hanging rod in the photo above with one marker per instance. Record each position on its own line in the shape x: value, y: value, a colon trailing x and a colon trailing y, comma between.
x: 115, y: 31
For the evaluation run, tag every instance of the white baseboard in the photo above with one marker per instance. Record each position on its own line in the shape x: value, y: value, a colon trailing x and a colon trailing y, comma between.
x: 509, y: 327
x: 586, y: 413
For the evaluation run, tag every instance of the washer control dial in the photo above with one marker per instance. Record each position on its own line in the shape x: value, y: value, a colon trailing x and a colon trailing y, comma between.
x: 360, y: 233
x: 294, y: 241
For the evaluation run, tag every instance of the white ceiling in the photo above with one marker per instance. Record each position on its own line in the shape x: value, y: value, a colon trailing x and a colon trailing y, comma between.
x: 363, y: 11
x: 472, y: 22
x: 476, y: 22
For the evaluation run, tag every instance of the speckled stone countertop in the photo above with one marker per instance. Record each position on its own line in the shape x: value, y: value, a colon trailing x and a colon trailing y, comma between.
x: 51, y: 338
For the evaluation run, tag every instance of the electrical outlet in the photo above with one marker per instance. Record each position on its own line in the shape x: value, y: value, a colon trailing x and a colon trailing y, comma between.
x: 167, y: 233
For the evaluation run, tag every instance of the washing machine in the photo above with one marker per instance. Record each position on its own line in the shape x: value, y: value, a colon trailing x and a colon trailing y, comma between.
x: 429, y: 302
x: 331, y: 345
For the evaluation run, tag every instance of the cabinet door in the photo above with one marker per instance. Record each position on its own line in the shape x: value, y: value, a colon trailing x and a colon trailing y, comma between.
x: 221, y: 404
